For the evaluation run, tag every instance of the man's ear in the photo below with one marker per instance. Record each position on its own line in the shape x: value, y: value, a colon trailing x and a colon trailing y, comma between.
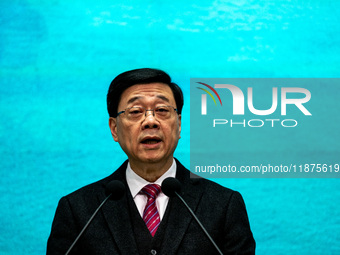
x: 113, y: 128
x: 179, y: 125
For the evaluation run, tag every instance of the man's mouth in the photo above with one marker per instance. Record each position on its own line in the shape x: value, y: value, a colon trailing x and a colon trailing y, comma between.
x: 151, y: 141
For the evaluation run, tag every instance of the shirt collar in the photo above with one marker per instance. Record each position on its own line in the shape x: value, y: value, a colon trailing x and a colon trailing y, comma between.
x: 136, y: 183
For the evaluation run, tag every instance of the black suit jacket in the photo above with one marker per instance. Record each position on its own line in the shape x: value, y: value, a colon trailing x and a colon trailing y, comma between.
x: 221, y: 211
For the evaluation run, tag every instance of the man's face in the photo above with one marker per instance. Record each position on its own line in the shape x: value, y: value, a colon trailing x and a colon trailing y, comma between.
x: 148, y: 140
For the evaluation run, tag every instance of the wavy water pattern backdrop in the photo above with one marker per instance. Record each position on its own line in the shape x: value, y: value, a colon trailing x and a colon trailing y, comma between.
x: 57, y: 59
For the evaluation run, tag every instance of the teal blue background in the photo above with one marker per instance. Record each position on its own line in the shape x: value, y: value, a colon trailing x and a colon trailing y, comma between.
x: 57, y: 59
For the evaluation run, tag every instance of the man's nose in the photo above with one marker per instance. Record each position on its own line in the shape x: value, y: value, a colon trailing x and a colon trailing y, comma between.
x: 150, y: 120
x: 148, y: 112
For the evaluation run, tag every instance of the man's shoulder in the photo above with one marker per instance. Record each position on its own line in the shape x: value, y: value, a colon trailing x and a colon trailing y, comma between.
x: 212, y: 189
x: 207, y: 186
x: 98, y: 186
x: 213, y: 197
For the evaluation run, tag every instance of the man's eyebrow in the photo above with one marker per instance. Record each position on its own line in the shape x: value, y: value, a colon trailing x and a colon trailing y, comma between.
x: 163, y: 98
x: 133, y: 99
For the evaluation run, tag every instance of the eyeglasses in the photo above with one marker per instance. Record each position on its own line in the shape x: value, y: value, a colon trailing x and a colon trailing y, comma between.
x: 162, y: 112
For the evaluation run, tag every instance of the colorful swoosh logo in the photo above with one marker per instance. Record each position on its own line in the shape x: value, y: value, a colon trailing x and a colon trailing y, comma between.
x: 209, y: 93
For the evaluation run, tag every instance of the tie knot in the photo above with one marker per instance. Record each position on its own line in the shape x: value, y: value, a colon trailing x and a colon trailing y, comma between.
x: 151, y: 190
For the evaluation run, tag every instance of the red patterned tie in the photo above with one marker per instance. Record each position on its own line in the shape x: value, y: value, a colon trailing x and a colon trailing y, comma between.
x: 151, y: 215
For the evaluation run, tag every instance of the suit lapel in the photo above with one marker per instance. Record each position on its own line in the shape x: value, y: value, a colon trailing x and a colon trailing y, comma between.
x: 117, y: 216
x: 179, y: 217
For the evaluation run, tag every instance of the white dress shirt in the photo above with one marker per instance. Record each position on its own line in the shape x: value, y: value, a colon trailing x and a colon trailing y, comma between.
x: 136, y: 183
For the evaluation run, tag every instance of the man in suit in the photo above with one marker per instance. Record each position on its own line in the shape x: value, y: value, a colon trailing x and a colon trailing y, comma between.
x: 145, y: 119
